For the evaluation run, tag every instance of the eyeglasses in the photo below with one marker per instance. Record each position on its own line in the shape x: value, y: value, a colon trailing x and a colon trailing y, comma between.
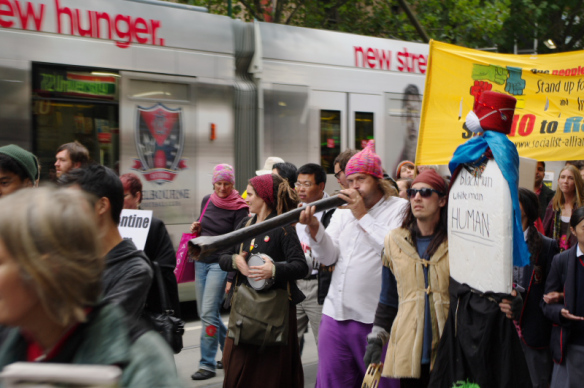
x: 424, y: 192
x: 307, y: 185
x: 338, y: 174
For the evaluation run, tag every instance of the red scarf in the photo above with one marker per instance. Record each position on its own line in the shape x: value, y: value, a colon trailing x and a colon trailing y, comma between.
x: 232, y: 202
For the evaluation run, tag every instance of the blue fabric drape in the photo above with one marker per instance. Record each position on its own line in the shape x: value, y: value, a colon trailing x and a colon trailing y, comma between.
x: 507, y: 158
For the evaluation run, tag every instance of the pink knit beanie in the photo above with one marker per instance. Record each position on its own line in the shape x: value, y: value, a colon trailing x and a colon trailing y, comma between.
x: 365, y: 162
x: 223, y: 172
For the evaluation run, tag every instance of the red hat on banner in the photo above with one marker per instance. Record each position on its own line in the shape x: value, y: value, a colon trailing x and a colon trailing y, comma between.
x: 492, y: 111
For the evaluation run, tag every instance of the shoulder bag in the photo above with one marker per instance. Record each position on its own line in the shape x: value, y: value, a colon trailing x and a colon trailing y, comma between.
x: 171, y: 328
x: 185, y: 269
x: 259, y: 318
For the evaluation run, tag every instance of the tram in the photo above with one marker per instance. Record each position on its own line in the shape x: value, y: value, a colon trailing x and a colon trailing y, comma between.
x: 167, y: 91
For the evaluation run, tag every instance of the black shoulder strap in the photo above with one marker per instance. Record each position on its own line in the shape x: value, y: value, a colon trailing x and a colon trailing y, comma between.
x: 157, y: 281
x: 326, y: 217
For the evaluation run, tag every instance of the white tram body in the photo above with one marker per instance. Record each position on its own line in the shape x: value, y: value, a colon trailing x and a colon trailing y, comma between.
x: 167, y: 91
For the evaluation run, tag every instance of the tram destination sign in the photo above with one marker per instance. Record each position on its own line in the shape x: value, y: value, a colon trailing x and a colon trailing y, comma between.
x: 57, y: 82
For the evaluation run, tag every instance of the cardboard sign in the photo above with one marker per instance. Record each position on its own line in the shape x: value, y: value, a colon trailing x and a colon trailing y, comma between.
x: 480, y: 230
x: 134, y: 225
x: 527, y: 168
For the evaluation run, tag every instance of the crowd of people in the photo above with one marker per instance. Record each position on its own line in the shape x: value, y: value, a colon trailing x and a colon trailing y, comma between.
x: 370, y: 278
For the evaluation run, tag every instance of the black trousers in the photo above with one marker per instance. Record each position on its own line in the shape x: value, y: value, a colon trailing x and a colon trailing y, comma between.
x: 422, y: 382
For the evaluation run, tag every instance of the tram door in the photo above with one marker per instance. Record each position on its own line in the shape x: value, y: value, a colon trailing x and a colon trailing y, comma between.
x: 365, y: 112
x: 158, y: 135
x: 344, y: 120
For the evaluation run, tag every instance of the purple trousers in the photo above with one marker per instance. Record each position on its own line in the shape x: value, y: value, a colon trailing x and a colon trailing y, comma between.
x: 341, y: 347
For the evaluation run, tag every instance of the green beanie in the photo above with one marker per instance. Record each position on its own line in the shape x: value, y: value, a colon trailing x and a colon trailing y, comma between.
x: 24, y: 158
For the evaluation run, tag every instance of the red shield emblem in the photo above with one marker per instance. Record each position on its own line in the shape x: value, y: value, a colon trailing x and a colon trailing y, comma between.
x: 159, y: 142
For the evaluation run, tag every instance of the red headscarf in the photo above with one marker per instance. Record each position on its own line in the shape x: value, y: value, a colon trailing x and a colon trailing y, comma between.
x: 432, y: 178
x: 264, y: 188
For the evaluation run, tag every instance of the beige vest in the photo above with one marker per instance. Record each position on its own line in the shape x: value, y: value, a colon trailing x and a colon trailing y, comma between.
x: 404, y: 351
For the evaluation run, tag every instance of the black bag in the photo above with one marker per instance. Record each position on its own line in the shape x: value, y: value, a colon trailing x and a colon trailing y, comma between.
x: 165, y: 323
x: 259, y: 318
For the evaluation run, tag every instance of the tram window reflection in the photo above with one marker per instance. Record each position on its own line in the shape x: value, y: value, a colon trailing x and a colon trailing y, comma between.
x: 72, y: 103
x: 330, y: 138
x: 363, y: 129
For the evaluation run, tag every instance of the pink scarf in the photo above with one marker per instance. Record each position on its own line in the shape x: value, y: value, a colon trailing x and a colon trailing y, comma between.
x: 232, y: 202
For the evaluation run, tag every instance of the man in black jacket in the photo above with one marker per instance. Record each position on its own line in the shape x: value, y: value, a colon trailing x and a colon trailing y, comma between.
x: 127, y: 276
x: 544, y: 193
x: 158, y: 246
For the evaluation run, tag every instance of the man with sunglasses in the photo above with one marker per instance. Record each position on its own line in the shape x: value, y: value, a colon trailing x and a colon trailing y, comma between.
x: 415, y: 262
x: 353, y: 242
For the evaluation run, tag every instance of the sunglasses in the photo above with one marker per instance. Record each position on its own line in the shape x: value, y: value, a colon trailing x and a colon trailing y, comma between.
x: 424, y: 192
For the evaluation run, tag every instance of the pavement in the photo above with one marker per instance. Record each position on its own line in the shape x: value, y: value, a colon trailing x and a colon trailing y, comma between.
x: 187, y: 361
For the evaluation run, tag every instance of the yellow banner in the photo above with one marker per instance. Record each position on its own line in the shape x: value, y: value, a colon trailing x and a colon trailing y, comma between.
x: 548, y: 123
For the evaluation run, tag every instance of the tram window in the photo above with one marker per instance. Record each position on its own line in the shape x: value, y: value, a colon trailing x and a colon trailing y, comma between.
x: 71, y: 103
x: 363, y: 129
x: 158, y: 90
x: 330, y: 138
x: 93, y: 125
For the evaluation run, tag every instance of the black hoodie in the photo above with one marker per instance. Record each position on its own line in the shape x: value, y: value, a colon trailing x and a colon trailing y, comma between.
x: 126, y: 279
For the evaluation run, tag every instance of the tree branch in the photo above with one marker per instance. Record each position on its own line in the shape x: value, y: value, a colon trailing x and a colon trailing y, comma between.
x: 340, y: 3
x: 251, y: 10
x: 414, y: 20
x: 300, y: 3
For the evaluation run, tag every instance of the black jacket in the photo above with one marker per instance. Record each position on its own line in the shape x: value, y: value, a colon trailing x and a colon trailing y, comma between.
x: 535, y: 328
x: 283, y: 246
x: 562, y: 278
x: 127, y: 279
x: 479, y: 343
x: 159, y: 249
x: 545, y: 196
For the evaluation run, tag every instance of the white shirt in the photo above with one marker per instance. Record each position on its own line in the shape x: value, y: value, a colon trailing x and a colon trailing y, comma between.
x: 304, y: 237
x: 355, y: 246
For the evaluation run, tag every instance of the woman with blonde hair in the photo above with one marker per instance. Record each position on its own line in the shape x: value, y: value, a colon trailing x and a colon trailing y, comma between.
x: 50, y: 286
x: 246, y: 364
x: 569, y: 196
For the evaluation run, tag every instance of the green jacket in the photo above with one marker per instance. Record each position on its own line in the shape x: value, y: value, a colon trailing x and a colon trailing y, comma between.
x: 105, y: 340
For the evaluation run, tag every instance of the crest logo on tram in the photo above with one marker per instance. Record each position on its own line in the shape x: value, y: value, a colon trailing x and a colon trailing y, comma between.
x: 159, y: 142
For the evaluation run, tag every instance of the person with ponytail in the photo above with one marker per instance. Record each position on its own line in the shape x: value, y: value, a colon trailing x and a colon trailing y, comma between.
x: 530, y: 282
x: 569, y: 196
x: 248, y: 365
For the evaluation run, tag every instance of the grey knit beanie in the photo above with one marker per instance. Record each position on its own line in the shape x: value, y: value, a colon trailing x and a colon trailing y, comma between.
x: 24, y: 158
